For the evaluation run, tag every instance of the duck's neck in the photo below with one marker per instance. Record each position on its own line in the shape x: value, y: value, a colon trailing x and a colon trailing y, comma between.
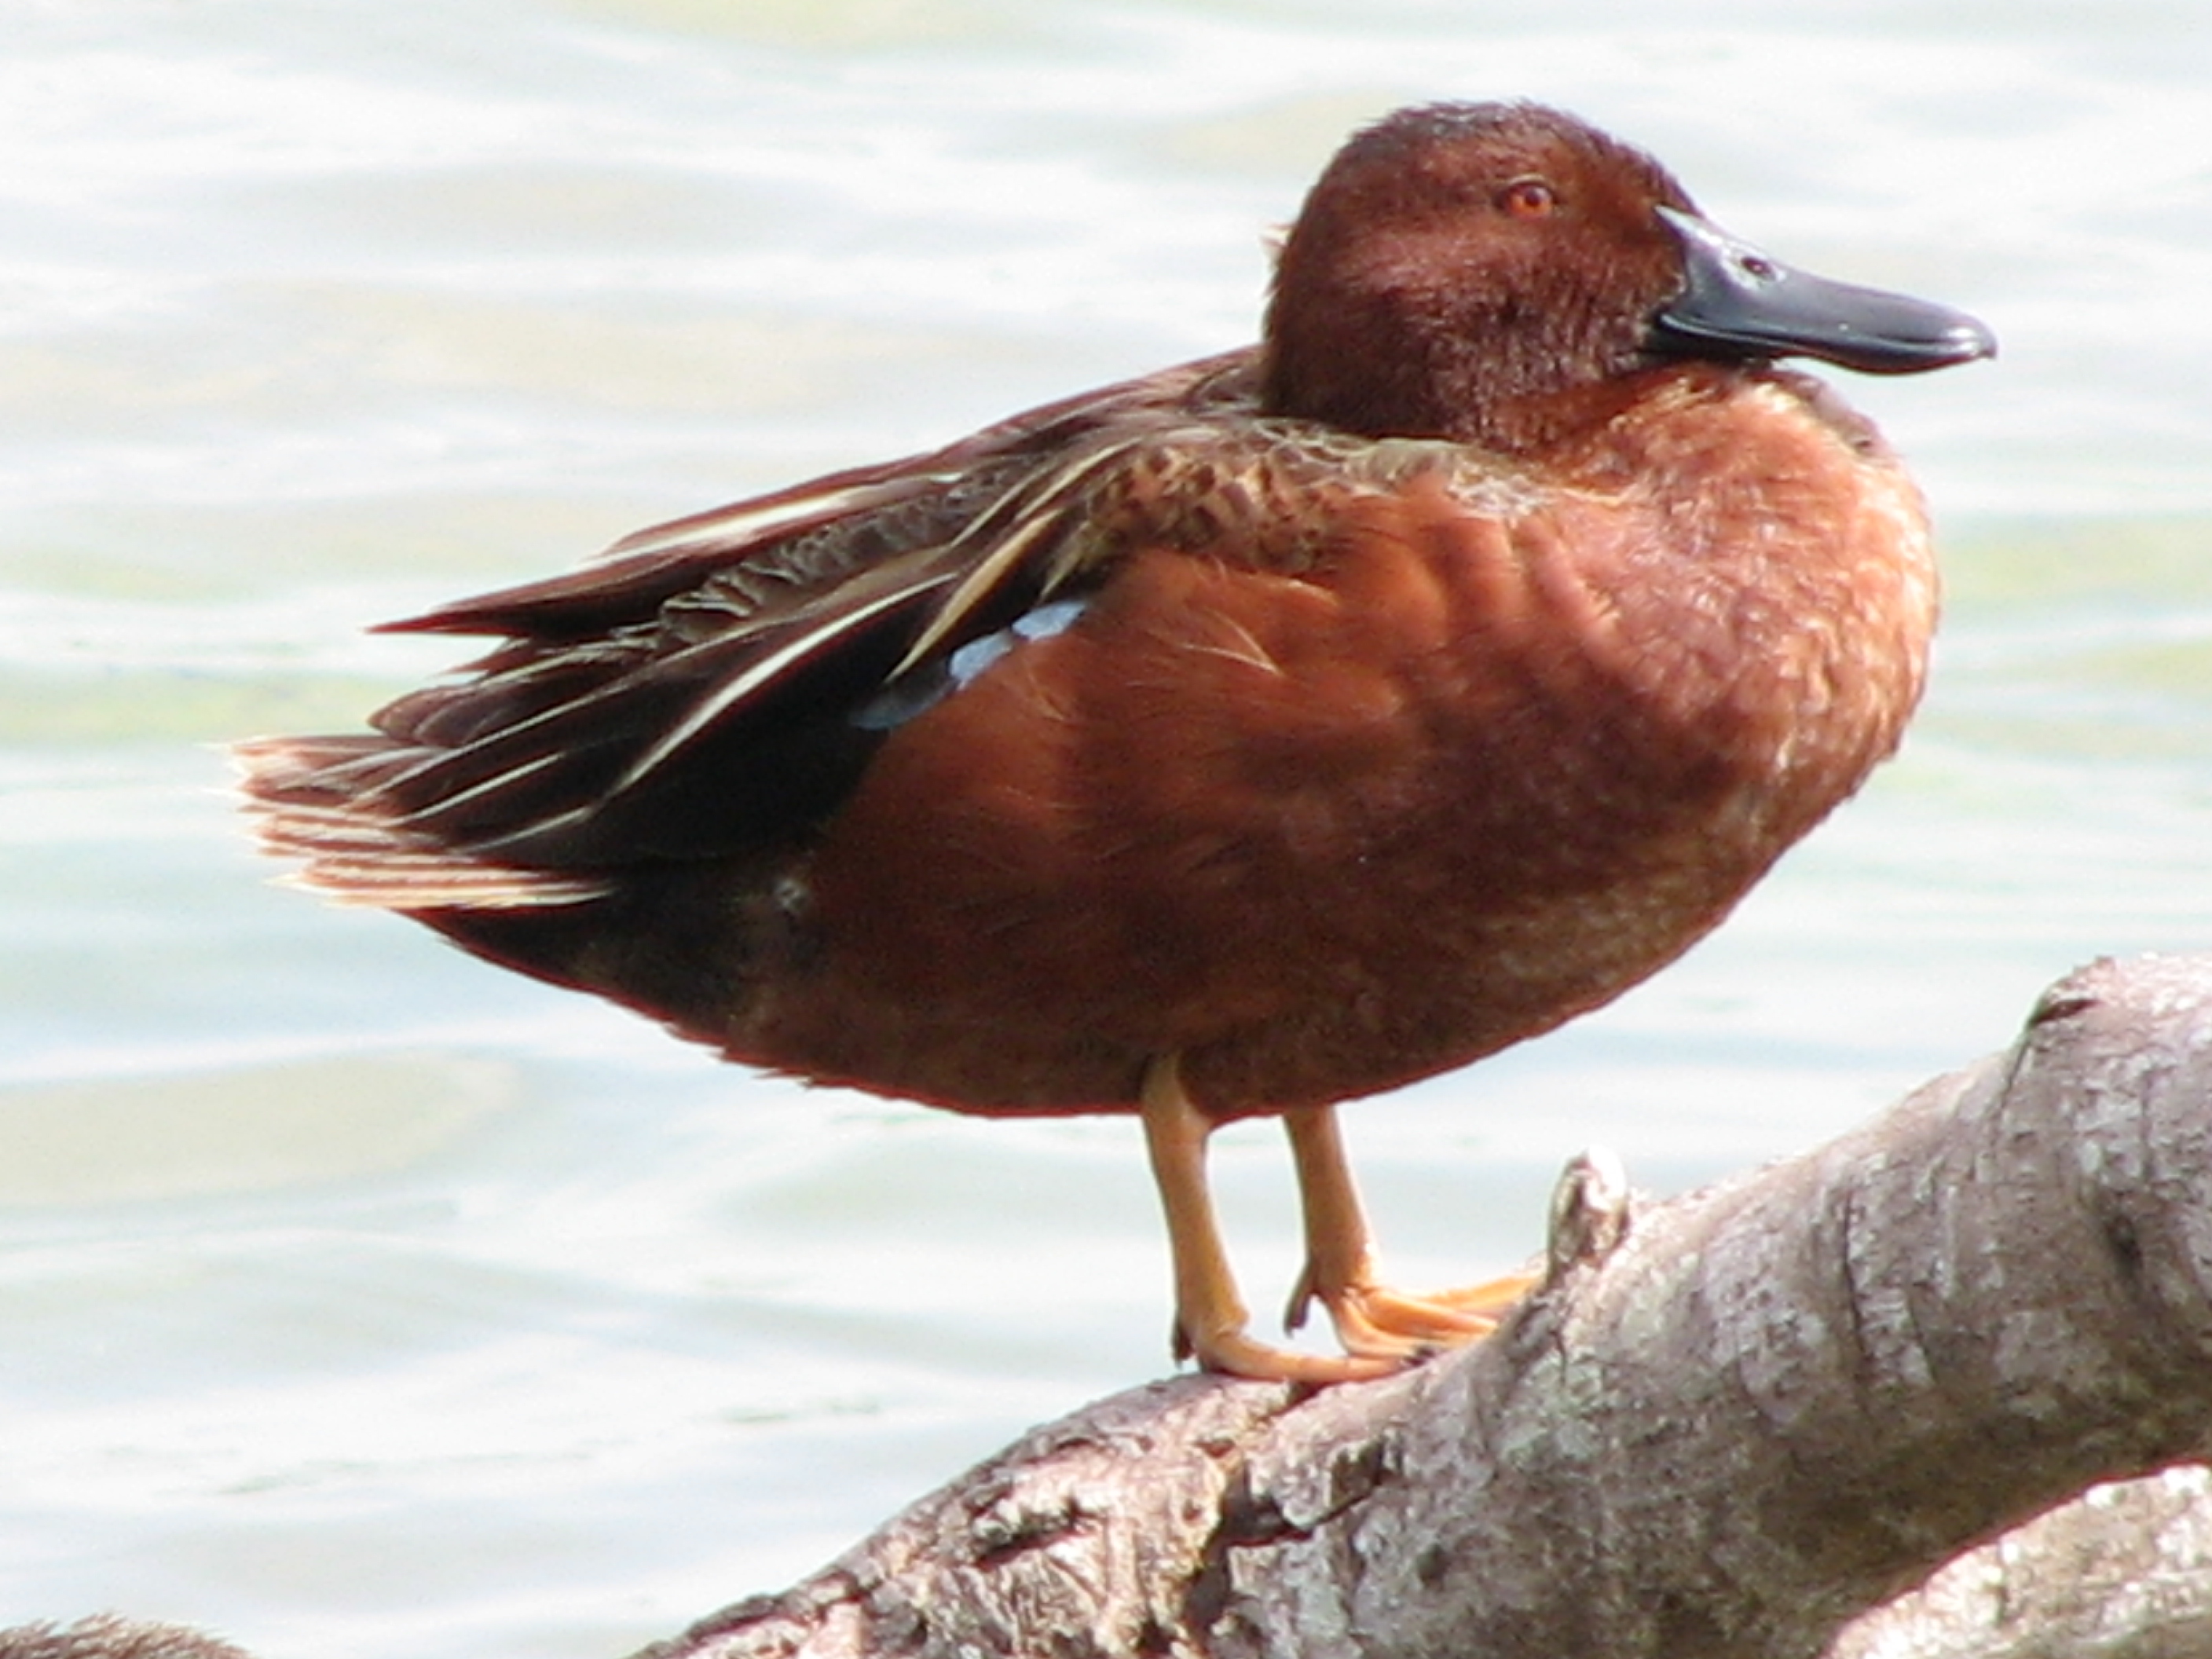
x: 1500, y: 406
x: 1376, y: 364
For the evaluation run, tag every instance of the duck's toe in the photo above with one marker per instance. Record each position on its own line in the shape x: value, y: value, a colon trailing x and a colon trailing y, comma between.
x: 1376, y: 1319
x: 1234, y: 1351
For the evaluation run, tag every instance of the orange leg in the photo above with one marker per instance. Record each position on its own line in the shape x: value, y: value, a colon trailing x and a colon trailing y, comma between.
x: 1371, y: 1319
x: 1210, y: 1316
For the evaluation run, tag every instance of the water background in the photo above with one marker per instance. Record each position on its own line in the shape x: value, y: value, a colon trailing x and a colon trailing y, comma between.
x: 357, y: 1299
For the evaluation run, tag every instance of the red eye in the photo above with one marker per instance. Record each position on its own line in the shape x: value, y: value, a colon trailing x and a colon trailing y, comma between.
x: 1527, y: 199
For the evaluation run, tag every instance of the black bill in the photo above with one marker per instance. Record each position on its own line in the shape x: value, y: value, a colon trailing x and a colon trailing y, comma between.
x: 1740, y: 302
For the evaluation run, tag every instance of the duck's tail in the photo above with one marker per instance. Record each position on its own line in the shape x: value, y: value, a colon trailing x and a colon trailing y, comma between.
x: 645, y: 937
x: 332, y: 805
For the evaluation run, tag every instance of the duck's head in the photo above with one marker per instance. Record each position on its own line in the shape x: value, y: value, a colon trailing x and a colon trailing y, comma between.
x: 1494, y: 273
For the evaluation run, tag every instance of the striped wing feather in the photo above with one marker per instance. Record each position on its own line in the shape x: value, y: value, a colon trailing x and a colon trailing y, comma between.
x: 692, y: 693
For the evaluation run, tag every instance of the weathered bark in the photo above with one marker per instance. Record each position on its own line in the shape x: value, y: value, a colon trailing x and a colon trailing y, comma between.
x: 2124, y: 1572
x: 1727, y: 1429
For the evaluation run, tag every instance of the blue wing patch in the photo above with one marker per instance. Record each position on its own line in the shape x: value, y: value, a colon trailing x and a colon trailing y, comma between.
x: 929, y: 684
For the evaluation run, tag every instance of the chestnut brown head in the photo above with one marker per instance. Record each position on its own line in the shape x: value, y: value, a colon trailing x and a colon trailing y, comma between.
x: 1484, y: 272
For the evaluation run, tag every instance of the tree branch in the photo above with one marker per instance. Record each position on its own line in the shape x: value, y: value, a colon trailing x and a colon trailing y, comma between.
x: 2124, y: 1572
x: 1752, y: 1421
x: 1727, y: 1429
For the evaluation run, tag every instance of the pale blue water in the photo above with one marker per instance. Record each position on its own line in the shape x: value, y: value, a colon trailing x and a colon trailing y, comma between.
x: 357, y: 1299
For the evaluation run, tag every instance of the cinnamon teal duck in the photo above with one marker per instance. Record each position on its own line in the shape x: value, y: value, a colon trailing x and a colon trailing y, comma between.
x: 1234, y: 741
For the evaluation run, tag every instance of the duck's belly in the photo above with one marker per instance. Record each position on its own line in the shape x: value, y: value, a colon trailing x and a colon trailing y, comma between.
x: 1317, y: 838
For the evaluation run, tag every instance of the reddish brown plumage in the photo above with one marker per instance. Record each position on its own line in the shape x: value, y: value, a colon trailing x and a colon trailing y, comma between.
x: 1310, y: 719
x: 1364, y: 758
x: 1450, y: 781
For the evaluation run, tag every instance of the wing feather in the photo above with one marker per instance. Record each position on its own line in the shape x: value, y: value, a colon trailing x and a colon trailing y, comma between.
x: 704, y: 687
